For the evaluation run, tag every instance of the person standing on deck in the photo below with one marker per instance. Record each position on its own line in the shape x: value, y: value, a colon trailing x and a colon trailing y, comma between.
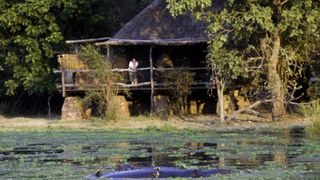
x: 133, y: 66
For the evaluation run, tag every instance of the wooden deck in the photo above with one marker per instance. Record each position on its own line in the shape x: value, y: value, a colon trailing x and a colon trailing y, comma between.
x: 68, y: 81
x: 150, y: 78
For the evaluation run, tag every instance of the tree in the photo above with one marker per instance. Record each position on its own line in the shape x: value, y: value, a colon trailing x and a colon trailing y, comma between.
x: 32, y: 32
x: 267, y: 39
x: 29, y: 34
x: 97, y: 18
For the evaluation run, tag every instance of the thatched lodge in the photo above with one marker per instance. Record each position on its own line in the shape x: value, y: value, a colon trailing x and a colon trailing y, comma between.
x: 168, y: 49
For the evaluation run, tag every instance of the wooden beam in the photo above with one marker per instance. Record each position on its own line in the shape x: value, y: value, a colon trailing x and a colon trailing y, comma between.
x: 133, y: 85
x: 182, y: 69
x: 138, y: 69
x: 151, y: 82
x: 92, y: 40
x: 128, y: 70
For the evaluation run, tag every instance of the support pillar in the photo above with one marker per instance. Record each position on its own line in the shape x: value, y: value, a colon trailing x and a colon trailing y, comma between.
x: 63, y: 83
x: 151, y: 82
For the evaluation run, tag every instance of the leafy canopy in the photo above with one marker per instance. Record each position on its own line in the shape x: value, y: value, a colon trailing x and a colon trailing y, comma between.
x: 32, y: 33
x: 28, y: 34
x: 237, y: 28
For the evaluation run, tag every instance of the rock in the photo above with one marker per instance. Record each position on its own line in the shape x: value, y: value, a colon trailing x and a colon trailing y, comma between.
x: 123, y: 109
x: 196, y: 107
x: 161, y: 105
x: 72, y: 109
x: 241, y: 101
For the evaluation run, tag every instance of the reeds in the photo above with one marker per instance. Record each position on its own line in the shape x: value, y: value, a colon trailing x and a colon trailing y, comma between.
x: 311, y: 111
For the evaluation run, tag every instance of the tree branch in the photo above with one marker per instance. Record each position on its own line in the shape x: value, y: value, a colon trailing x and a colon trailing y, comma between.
x: 248, y: 109
x: 283, y: 2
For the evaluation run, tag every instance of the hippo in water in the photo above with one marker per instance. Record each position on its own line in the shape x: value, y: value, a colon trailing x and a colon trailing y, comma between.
x: 127, y: 171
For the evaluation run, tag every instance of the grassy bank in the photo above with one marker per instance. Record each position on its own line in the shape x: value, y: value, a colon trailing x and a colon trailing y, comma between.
x: 150, y: 122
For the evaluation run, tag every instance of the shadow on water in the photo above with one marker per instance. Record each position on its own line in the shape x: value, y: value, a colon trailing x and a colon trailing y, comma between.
x: 297, y: 132
x: 78, y: 154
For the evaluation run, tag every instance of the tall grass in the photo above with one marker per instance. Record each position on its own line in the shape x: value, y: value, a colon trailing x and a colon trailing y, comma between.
x: 311, y: 111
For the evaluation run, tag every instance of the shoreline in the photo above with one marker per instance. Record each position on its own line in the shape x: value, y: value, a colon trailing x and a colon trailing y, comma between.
x: 197, y: 123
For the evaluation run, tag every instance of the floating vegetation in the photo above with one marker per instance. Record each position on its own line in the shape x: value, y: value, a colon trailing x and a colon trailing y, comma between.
x: 76, y: 154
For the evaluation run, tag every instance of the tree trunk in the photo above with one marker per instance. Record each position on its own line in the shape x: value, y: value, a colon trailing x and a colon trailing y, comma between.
x: 220, y: 89
x: 275, y: 83
x: 185, y: 105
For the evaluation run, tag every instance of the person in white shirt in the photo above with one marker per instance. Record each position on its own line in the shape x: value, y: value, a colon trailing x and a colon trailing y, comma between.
x: 133, y: 66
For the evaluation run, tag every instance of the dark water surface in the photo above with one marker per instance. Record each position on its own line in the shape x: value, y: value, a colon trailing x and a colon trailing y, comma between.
x: 75, y: 154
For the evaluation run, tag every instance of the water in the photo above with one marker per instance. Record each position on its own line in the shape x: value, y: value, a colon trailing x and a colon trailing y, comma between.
x: 75, y: 154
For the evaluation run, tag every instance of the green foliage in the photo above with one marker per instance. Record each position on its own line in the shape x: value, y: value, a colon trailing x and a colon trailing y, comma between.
x: 312, y: 112
x: 243, y: 38
x: 105, y: 99
x: 179, y: 85
x: 32, y: 33
x: 164, y: 128
x: 177, y: 7
x: 314, y: 90
x: 28, y: 34
x: 314, y: 87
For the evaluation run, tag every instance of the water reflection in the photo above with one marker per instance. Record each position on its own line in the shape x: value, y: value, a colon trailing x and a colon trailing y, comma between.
x: 240, y: 153
x: 204, y: 155
x: 229, y: 150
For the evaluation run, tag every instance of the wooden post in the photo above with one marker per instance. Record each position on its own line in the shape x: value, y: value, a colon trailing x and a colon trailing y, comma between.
x: 110, y: 49
x: 108, y: 53
x: 63, y: 83
x: 151, y: 82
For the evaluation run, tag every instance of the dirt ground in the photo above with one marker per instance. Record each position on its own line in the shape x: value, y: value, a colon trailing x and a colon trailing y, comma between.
x: 142, y: 122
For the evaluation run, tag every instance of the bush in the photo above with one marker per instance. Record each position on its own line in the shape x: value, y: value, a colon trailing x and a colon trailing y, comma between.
x: 314, y: 90
x: 179, y: 86
x: 104, y: 99
x: 312, y: 112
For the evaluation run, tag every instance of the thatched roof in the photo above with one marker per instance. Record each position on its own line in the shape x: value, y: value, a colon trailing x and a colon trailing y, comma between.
x: 155, y: 25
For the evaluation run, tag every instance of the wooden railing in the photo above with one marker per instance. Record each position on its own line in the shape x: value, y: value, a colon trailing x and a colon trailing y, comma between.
x: 69, y: 79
